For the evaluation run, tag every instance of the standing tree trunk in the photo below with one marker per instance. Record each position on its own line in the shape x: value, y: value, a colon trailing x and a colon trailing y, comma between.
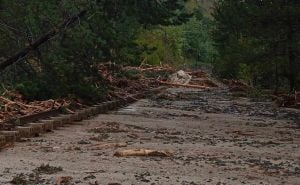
x: 291, y: 59
x: 276, y: 77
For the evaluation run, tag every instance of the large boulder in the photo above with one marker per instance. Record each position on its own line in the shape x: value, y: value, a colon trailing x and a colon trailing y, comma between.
x: 180, y: 77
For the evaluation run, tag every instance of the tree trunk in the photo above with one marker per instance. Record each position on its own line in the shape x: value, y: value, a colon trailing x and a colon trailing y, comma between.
x: 44, y: 38
x: 291, y: 58
x: 276, y: 78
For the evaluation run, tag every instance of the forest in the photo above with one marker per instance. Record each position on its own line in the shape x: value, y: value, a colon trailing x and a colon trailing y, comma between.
x: 112, y: 92
x: 256, y: 41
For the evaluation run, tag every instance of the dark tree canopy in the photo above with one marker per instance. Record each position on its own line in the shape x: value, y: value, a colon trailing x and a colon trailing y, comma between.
x: 48, y: 44
x: 259, y: 38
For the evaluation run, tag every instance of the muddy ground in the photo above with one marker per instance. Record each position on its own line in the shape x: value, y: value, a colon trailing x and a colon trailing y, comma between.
x: 216, y: 138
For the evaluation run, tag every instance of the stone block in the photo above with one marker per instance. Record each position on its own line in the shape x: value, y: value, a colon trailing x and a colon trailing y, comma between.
x: 10, y: 136
x: 24, y: 132
x: 49, y: 126
x: 36, y: 128
x: 2, y: 141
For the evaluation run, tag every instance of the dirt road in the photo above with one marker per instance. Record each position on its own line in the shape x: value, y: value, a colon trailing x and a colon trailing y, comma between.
x: 216, y: 139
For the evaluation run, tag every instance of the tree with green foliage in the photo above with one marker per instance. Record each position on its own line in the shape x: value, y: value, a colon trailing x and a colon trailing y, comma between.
x: 198, y: 45
x: 187, y: 44
x: 66, y: 64
x: 259, y: 41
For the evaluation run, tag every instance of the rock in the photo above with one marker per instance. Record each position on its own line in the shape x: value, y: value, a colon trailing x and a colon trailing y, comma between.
x: 180, y: 77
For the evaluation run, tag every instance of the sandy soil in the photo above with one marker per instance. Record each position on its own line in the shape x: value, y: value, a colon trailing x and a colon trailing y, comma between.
x: 217, y: 139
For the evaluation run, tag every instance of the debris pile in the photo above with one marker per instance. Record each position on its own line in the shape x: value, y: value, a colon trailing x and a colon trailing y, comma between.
x: 194, y: 79
x: 198, y: 74
x: 288, y: 100
x: 125, y: 81
x: 206, y: 82
x: 122, y: 82
x: 12, y: 104
x: 237, y: 85
x: 150, y: 68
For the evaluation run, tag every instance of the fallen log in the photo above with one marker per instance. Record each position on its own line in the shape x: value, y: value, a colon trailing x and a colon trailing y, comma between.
x: 144, y: 152
x: 198, y: 74
x: 184, y: 85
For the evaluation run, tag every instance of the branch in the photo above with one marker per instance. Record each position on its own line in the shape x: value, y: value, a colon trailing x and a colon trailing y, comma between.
x: 44, y: 38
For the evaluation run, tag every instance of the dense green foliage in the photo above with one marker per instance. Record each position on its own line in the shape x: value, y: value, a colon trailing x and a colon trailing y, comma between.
x: 67, y: 64
x: 189, y: 44
x: 253, y: 40
x: 258, y: 41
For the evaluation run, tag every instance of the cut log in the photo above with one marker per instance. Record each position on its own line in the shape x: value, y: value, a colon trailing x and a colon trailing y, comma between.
x: 144, y: 152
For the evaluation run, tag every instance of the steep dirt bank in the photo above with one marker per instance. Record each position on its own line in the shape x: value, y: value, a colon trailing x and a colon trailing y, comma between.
x: 216, y: 139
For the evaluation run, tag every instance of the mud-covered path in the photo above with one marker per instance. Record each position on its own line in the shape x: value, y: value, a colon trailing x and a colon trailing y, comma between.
x: 217, y: 139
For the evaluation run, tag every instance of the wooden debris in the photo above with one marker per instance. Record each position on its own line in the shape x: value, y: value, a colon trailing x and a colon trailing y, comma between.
x: 237, y: 85
x: 184, y: 85
x: 197, y: 79
x: 150, y: 68
x: 9, y: 103
x: 133, y: 81
x: 198, y: 74
x: 288, y: 100
x: 144, y: 152
x: 203, y: 82
x: 17, y: 106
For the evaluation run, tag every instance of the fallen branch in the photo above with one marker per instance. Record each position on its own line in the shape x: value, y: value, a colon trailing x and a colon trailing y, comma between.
x: 144, y: 152
x: 184, y: 85
x: 44, y: 38
x: 22, y: 105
